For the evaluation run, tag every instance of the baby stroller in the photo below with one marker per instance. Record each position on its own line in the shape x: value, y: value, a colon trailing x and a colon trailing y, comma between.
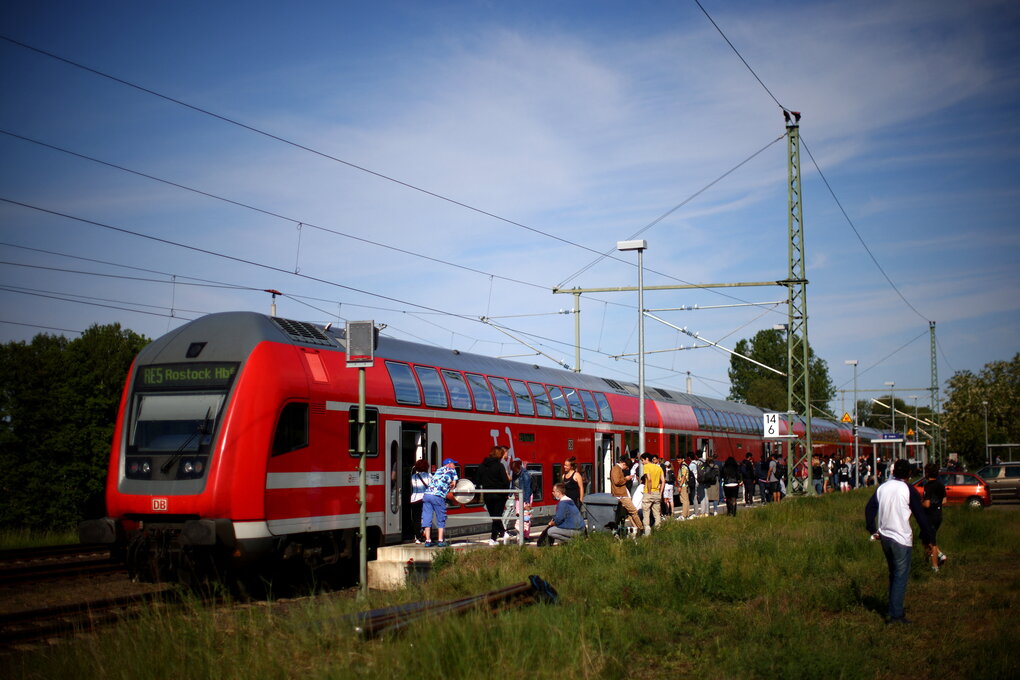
x: 603, y: 512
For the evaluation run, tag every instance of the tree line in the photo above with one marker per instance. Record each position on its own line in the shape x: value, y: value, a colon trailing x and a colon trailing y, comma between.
x: 58, y: 406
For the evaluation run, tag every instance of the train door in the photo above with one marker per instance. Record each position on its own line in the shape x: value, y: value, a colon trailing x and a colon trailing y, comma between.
x: 405, y: 444
x: 606, y: 445
x: 705, y: 447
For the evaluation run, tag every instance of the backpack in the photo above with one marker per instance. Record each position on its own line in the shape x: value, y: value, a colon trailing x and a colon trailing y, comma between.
x: 669, y: 476
x: 711, y: 474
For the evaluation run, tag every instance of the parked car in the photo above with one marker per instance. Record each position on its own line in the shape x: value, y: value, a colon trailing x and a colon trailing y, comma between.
x: 962, y: 488
x: 1003, y: 480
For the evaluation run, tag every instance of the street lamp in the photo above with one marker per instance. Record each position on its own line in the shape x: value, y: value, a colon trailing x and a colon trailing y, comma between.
x: 639, y: 246
x: 988, y: 455
x: 857, y: 446
x: 892, y: 409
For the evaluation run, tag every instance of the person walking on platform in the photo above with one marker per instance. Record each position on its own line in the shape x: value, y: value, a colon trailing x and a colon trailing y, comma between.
x: 887, y: 518
x: 619, y: 482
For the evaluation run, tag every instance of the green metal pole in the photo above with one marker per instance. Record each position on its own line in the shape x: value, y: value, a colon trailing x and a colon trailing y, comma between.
x: 362, y: 502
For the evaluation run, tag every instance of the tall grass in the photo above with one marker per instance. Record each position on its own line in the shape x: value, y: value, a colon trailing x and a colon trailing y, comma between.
x: 789, y: 591
x: 11, y: 539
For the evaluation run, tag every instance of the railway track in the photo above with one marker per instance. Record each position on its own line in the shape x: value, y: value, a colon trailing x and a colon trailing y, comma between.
x: 81, y: 617
x: 31, y: 565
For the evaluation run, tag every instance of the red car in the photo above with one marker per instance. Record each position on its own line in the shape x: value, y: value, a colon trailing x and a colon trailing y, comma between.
x: 962, y: 488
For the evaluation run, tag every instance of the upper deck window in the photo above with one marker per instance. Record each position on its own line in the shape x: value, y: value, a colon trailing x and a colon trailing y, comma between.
x: 542, y: 405
x: 525, y: 406
x: 589, y: 404
x: 432, y: 385
x: 459, y: 395
x: 405, y: 387
x: 559, y: 402
x: 504, y: 400
x: 480, y: 390
x: 574, y: 401
x: 604, y: 407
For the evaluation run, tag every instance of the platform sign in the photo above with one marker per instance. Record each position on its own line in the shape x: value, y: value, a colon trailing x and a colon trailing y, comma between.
x: 770, y: 424
x: 846, y: 418
x: 361, y: 339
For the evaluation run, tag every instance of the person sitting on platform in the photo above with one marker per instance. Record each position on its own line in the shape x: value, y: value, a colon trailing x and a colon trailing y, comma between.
x: 567, y: 522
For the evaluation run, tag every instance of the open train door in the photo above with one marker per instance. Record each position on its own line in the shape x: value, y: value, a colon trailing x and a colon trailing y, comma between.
x: 606, y: 446
x: 393, y: 476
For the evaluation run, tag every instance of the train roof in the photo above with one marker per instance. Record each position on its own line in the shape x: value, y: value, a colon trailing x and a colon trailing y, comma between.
x: 230, y: 335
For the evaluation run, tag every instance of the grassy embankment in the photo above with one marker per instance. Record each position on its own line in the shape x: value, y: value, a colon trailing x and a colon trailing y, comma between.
x: 794, y: 591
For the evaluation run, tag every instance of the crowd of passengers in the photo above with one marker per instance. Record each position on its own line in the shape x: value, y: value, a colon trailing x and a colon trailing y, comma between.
x: 649, y: 489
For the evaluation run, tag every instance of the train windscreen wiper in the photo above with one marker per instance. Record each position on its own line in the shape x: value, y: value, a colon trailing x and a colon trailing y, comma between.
x: 203, y: 428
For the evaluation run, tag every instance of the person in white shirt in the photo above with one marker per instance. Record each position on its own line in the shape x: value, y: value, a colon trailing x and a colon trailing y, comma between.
x: 887, y: 517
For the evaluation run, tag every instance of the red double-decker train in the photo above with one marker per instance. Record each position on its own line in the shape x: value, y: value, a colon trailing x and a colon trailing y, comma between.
x: 235, y: 441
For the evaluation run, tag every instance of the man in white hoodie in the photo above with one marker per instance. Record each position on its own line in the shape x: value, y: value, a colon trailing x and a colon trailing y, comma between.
x: 887, y: 516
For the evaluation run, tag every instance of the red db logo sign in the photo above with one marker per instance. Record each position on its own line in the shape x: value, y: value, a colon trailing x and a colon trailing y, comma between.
x: 159, y: 505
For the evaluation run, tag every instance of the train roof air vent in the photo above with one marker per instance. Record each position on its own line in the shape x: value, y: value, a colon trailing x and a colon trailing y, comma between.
x: 301, y: 331
x: 664, y: 394
x: 615, y: 385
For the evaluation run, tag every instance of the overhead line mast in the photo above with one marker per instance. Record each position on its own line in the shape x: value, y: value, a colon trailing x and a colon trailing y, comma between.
x: 798, y: 368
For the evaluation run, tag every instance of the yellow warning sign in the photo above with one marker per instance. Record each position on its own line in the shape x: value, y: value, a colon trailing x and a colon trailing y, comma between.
x: 910, y: 433
x: 846, y: 418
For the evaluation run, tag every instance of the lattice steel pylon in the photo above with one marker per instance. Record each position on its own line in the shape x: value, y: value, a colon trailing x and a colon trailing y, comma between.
x: 798, y: 368
x: 937, y: 440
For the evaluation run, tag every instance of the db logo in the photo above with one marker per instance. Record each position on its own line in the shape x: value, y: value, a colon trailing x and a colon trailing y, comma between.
x: 159, y: 505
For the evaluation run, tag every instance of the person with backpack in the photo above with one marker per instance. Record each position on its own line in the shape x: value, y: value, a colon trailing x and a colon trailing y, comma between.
x: 762, y: 469
x: 708, y: 484
x: 747, y: 476
x: 731, y: 484
x: 668, y: 486
x: 700, y: 496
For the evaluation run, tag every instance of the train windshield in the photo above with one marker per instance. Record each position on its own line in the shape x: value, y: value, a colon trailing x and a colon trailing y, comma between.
x: 174, y: 422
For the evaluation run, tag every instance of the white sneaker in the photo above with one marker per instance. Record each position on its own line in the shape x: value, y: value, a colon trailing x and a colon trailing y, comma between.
x: 492, y: 541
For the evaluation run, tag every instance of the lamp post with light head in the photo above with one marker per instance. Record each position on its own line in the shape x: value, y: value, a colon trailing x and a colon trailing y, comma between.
x: 639, y: 246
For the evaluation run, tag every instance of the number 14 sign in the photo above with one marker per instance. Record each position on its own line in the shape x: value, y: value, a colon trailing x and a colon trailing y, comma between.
x: 771, y: 424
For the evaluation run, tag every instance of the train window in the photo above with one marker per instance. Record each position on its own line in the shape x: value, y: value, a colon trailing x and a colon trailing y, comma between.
x: 542, y: 405
x: 432, y: 385
x: 589, y: 404
x: 174, y: 422
x: 587, y: 472
x: 559, y: 402
x: 291, y: 429
x: 480, y: 390
x: 574, y: 402
x: 525, y: 406
x: 405, y: 387
x: 604, y: 409
x: 459, y: 395
x: 504, y: 400
x: 535, y: 470
x: 371, y: 432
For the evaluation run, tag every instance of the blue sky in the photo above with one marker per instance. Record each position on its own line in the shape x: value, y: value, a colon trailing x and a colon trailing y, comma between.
x: 565, y: 127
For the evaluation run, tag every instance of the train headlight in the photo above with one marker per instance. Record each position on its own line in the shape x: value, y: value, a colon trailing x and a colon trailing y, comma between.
x: 189, y: 467
x: 145, y: 467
